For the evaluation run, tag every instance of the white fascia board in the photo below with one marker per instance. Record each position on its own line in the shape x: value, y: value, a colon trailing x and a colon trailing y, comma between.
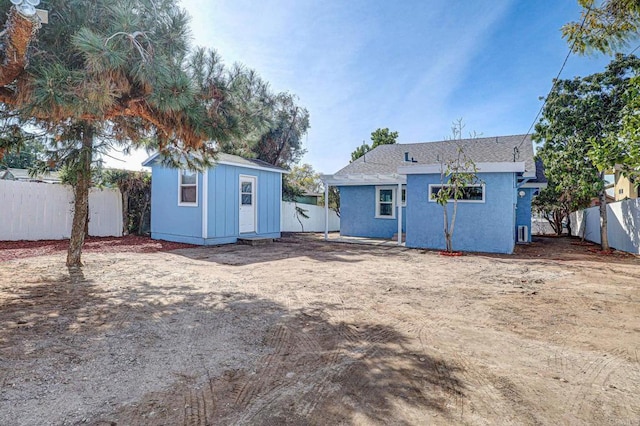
x: 148, y: 161
x: 254, y: 167
x: 358, y: 180
x: 497, y: 167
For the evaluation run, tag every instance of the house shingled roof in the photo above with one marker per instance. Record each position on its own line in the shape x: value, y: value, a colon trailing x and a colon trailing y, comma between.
x: 385, y: 159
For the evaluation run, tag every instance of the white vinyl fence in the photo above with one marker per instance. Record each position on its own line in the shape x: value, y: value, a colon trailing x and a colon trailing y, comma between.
x: 292, y: 222
x: 541, y: 226
x: 623, y: 225
x: 40, y: 211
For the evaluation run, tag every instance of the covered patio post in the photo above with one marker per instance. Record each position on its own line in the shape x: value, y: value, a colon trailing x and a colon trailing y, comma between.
x: 326, y: 211
x: 399, y: 202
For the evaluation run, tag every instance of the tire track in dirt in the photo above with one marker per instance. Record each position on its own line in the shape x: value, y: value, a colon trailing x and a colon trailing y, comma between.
x: 299, y: 351
x: 453, y: 387
x: 475, y: 390
x: 195, y: 409
x: 481, y: 396
x: 263, y: 382
x: 293, y: 348
x: 310, y: 361
x: 524, y: 409
x: 594, y: 373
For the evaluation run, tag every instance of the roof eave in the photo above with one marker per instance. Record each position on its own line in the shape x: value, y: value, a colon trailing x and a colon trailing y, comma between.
x: 487, y: 167
x: 363, y: 179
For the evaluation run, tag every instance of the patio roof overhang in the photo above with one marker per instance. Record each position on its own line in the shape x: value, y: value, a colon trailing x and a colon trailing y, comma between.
x: 363, y: 179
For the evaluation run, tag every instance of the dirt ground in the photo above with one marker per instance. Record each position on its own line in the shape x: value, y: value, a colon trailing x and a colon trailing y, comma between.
x: 306, y: 332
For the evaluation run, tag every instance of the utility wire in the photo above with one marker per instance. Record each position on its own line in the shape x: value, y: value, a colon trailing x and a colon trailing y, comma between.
x: 555, y: 81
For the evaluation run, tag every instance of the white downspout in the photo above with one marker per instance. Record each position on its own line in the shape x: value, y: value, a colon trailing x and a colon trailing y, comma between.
x: 399, y: 202
x: 205, y: 204
x: 326, y: 211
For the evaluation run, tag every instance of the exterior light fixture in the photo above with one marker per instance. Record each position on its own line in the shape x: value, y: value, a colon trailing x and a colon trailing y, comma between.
x: 522, y: 194
x: 26, y: 8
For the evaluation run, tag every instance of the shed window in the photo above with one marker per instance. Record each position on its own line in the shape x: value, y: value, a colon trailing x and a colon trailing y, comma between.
x: 188, y: 188
x: 470, y: 194
x: 385, y: 196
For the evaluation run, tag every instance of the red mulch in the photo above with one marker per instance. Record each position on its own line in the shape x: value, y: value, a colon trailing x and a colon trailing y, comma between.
x: 450, y: 253
x: 582, y: 243
x: 602, y: 252
x: 10, y: 250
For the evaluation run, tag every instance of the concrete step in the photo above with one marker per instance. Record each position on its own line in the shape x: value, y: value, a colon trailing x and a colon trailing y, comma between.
x: 255, y: 241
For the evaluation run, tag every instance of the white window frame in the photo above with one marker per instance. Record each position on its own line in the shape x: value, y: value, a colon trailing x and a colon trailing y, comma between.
x: 181, y: 185
x: 484, y: 192
x: 404, y: 192
x: 393, y: 202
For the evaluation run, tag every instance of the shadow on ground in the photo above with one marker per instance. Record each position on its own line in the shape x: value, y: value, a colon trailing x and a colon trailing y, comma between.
x: 10, y: 250
x: 222, y: 358
x: 289, y: 246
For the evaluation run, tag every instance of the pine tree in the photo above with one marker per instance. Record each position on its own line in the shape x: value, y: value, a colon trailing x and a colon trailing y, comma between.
x: 116, y: 72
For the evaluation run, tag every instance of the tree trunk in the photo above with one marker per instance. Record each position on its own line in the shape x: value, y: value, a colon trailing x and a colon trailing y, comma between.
x: 447, y: 235
x: 569, y: 224
x: 125, y: 211
x: 143, y: 214
x: 604, y: 237
x: 584, y: 224
x: 86, y: 222
x: 285, y: 141
x: 453, y: 224
x: 81, y: 202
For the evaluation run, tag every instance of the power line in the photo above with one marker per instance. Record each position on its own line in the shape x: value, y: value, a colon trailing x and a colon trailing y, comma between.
x: 555, y: 81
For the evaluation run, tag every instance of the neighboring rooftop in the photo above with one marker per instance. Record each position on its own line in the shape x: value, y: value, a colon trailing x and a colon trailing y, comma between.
x: 23, y: 175
x: 385, y: 159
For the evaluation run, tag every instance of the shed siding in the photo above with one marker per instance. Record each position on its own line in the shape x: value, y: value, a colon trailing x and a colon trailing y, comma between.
x: 224, y: 199
x: 167, y: 218
x: 483, y: 227
x: 184, y: 224
x: 358, y: 211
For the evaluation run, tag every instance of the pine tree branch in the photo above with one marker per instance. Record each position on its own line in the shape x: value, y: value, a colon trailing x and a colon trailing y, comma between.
x: 7, y: 96
x: 19, y: 31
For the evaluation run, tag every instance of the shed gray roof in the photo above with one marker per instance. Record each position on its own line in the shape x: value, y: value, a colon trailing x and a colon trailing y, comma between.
x: 241, y: 161
x: 223, y: 158
x: 385, y: 159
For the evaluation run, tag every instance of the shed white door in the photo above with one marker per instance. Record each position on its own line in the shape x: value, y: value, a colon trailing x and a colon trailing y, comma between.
x: 247, y: 204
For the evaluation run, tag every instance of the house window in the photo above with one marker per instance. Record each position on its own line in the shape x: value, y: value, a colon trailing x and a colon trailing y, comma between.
x: 385, y: 196
x: 470, y: 194
x: 188, y: 188
x: 404, y: 195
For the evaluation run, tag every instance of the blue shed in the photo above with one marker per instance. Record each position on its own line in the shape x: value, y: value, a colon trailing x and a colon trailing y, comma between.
x: 237, y: 198
x: 388, y: 192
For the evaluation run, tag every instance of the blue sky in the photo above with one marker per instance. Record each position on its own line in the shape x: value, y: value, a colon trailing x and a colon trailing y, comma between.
x: 411, y: 66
